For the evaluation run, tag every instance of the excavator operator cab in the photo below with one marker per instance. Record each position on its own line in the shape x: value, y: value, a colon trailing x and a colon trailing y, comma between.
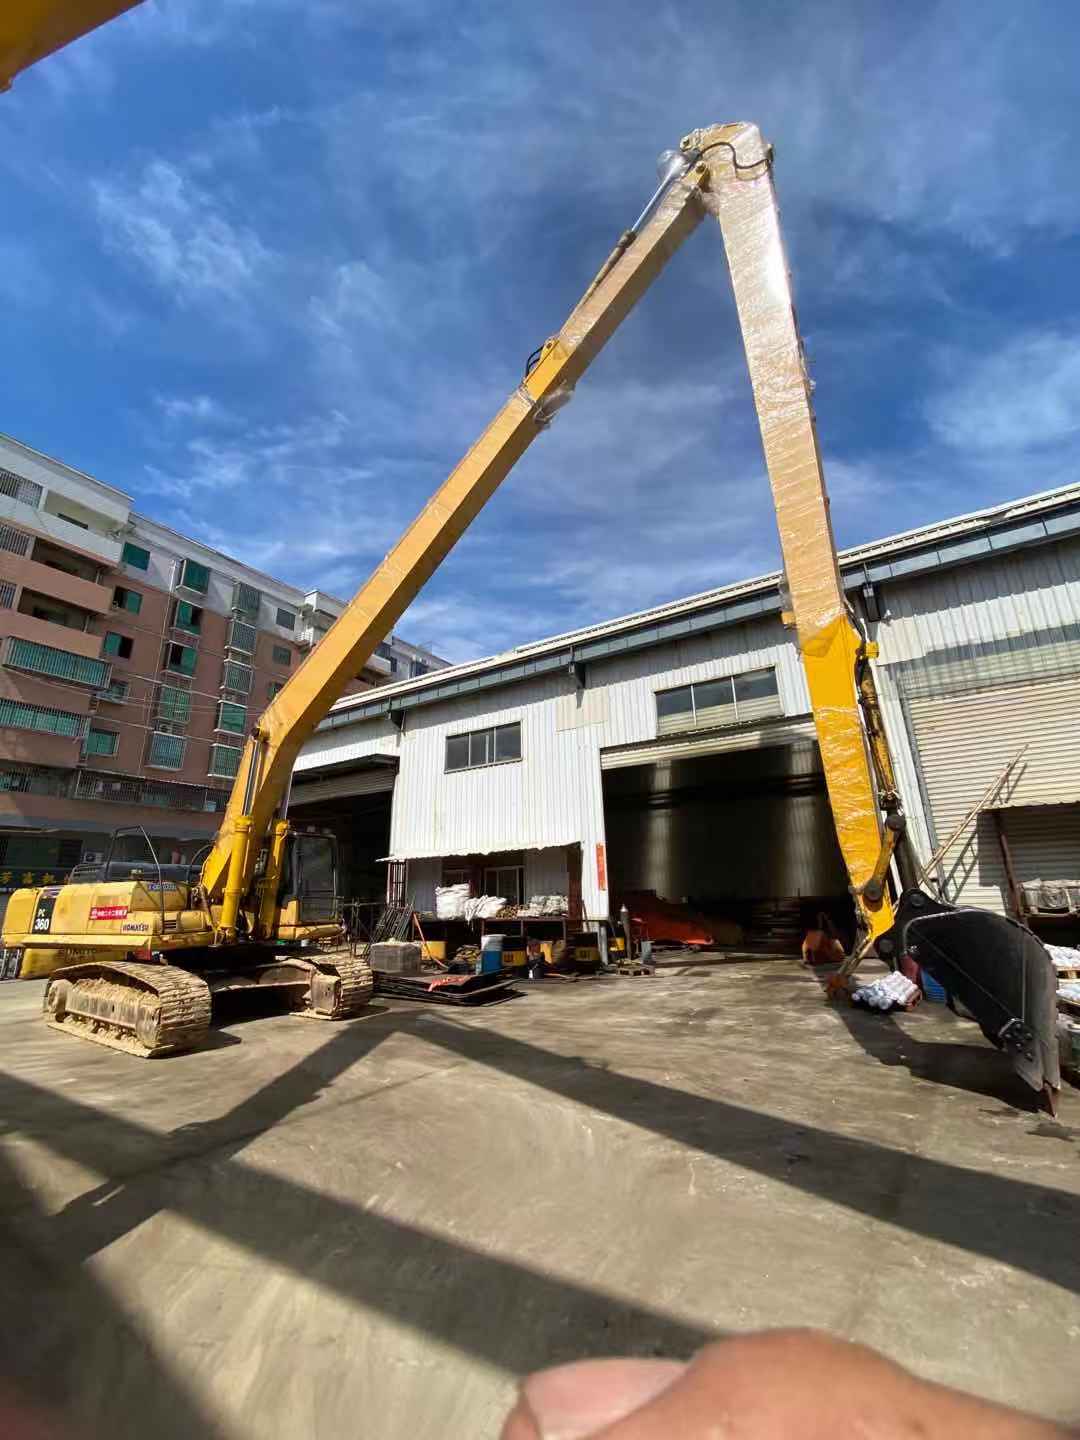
x: 309, y: 879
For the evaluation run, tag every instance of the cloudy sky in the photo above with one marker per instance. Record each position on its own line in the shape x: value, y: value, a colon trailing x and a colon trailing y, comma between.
x: 270, y: 266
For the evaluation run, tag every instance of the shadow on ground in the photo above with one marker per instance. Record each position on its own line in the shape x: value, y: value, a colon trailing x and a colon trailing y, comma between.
x: 70, y: 1333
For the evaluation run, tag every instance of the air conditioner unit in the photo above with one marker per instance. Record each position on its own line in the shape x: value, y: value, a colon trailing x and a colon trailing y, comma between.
x: 92, y: 857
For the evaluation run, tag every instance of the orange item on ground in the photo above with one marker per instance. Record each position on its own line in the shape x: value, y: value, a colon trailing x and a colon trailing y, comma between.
x: 820, y: 948
x: 667, y: 920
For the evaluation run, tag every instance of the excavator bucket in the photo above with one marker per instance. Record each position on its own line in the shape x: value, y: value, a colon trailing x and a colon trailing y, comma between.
x: 996, y: 968
x: 32, y: 29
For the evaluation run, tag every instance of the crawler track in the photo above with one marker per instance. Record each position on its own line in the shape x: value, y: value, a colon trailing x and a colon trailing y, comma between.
x: 146, y: 1010
x: 355, y: 990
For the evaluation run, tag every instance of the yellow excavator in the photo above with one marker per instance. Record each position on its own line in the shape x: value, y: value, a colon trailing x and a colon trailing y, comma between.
x: 134, y: 962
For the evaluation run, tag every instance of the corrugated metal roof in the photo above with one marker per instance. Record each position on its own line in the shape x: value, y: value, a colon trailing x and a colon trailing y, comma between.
x: 1034, y: 519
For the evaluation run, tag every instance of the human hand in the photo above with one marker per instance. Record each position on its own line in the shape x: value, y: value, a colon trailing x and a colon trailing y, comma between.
x: 770, y: 1386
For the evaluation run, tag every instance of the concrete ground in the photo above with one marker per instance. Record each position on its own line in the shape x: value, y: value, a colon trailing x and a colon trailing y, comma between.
x: 373, y: 1228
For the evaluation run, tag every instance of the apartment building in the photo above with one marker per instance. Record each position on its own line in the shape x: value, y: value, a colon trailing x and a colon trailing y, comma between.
x: 133, y: 662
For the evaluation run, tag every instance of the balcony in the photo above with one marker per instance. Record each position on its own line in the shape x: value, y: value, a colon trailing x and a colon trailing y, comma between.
x: 58, y: 584
x: 242, y: 637
x: 102, y: 548
x: 57, y: 637
x: 236, y: 678
x: 36, y: 658
x: 224, y: 761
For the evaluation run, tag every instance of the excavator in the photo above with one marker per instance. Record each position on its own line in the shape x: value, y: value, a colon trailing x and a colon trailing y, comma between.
x: 135, y: 963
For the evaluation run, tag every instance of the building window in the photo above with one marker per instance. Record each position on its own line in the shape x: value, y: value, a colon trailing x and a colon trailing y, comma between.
x: 16, y: 542
x: 387, y: 654
x: 166, y: 751
x: 135, y: 555
x: 224, y: 761
x: 457, y: 875
x: 275, y: 688
x: 79, y: 524
x: 246, y: 600
x: 182, y: 658
x: 124, y: 599
x: 16, y: 715
x: 7, y: 594
x: 418, y: 667
x: 174, y: 705
x: 505, y: 880
x: 730, y: 700
x: 16, y: 488
x: 286, y: 619
x: 116, y: 693
x: 236, y: 677
x: 101, y: 742
x: 194, y: 576
x: 494, y: 746
x: 120, y: 646
x: 231, y: 717
x: 188, y: 617
x: 282, y: 655
x: 242, y: 637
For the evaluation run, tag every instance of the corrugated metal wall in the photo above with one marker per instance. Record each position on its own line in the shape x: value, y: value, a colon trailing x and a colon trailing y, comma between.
x: 749, y: 826
x: 964, y: 742
x: 1044, y: 841
x: 553, y: 796
x: 975, y: 662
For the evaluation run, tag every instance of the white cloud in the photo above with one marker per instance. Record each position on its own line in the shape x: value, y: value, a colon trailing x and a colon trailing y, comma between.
x: 1024, y: 396
x: 198, y: 409
x: 182, y: 236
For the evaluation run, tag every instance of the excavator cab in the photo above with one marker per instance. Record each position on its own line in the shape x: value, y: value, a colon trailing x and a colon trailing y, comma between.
x: 308, y: 893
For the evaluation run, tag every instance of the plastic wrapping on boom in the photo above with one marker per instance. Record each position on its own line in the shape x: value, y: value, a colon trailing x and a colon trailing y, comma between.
x: 742, y: 198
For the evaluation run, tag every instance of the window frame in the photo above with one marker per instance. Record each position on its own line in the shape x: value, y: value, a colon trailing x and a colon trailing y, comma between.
x: 121, y: 596
x: 497, y: 889
x: 491, y: 744
x: 186, y: 584
x: 276, y: 654
x: 121, y: 640
x: 289, y: 623
x: 217, y: 749
x: 113, y: 735
x: 178, y: 669
x: 130, y: 549
x: 197, y: 612
x: 153, y: 764
x: 220, y: 728
x: 733, y: 681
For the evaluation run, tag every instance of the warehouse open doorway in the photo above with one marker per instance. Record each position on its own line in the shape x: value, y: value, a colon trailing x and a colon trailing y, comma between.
x: 744, y: 838
x: 355, y: 806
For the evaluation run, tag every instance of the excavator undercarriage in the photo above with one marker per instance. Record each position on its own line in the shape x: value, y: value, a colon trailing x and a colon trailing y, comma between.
x: 153, y: 1009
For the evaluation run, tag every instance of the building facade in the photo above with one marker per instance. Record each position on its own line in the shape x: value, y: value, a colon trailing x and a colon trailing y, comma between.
x: 133, y: 662
x: 674, y: 750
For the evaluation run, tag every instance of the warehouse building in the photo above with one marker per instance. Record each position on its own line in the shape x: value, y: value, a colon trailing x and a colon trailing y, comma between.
x: 673, y: 750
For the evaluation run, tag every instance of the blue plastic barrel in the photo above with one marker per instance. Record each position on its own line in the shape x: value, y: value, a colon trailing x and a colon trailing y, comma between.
x: 491, y: 948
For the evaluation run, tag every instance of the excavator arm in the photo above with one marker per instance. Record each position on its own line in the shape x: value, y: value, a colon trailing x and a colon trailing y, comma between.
x: 32, y: 29
x: 726, y: 171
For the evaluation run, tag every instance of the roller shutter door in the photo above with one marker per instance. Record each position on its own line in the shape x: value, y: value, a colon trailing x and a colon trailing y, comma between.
x: 716, y: 742
x: 963, y: 743
x: 360, y: 782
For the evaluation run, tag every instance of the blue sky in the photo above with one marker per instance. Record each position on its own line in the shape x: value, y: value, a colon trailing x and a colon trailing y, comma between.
x: 271, y: 265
